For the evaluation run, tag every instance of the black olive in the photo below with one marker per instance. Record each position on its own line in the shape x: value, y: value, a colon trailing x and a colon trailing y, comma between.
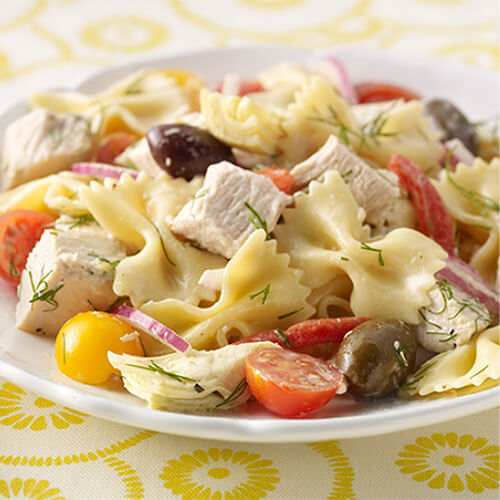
x: 185, y: 151
x: 376, y: 357
x: 453, y: 123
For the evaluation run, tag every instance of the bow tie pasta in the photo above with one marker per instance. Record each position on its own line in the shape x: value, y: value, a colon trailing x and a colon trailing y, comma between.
x: 134, y: 213
x: 471, y: 195
x: 325, y: 238
x: 470, y: 364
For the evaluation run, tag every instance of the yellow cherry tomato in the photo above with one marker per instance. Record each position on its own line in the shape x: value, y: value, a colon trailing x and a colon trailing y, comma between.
x: 191, y: 83
x: 83, y: 343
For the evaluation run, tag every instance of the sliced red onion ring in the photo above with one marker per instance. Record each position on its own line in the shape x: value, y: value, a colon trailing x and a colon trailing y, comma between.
x: 102, y: 170
x: 151, y: 326
x: 346, y: 89
x: 470, y: 281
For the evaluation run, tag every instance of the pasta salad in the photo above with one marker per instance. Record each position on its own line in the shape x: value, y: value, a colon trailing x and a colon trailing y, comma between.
x: 290, y: 238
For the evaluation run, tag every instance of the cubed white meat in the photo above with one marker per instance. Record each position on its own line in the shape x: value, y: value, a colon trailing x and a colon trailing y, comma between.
x: 375, y: 190
x: 451, y: 319
x: 43, y: 143
x: 220, y: 215
x: 139, y: 156
x: 212, y: 279
x: 460, y: 151
x: 68, y: 271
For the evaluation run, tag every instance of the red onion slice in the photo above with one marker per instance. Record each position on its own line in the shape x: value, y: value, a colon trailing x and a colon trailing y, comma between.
x: 151, y: 326
x: 346, y: 89
x: 102, y: 170
x: 470, y: 281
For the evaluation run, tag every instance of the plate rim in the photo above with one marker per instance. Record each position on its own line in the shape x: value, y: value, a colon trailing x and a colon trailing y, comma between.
x: 243, y: 429
x: 240, y: 428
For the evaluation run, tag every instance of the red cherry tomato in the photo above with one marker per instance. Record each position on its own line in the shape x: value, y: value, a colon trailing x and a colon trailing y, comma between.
x: 379, y: 92
x: 433, y: 218
x: 309, y: 332
x: 113, y: 145
x: 282, y: 178
x: 19, y: 231
x: 246, y: 87
x: 290, y: 384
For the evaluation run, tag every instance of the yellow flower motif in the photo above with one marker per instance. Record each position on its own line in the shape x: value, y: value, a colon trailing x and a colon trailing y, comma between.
x: 29, y: 488
x: 125, y: 34
x: 342, y: 471
x: 21, y: 410
x: 220, y: 473
x: 451, y: 461
x: 271, y: 4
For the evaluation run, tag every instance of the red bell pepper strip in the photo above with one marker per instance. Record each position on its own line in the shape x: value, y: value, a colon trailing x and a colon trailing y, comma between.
x: 309, y: 332
x: 433, y: 218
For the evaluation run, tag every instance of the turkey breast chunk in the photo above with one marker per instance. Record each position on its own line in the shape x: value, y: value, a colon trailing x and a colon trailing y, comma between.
x: 68, y: 271
x: 375, y: 190
x: 451, y: 319
x: 220, y: 215
x: 139, y: 157
x: 43, y: 143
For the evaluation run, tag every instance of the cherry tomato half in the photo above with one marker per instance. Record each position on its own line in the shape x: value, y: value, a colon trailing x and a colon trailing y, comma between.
x: 282, y: 178
x: 290, y: 384
x: 83, y: 343
x: 246, y: 87
x: 19, y: 231
x: 113, y: 145
x: 379, y: 92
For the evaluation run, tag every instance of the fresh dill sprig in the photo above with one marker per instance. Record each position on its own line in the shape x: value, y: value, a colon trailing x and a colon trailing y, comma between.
x: 335, y: 121
x: 111, y: 263
x: 264, y: 292
x: 284, y: 337
x: 402, y: 352
x: 155, y: 367
x: 364, y: 246
x: 237, y: 392
x: 258, y: 222
x: 79, y: 220
x: 287, y: 315
x: 480, y: 371
x: 42, y: 293
x: 345, y: 177
x: 162, y: 243
x: 422, y: 315
x: 142, y: 345
x: 481, y: 201
x: 416, y: 377
x: 374, y: 129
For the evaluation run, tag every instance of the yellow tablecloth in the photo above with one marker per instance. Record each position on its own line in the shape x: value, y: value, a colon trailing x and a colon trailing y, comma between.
x: 51, y: 452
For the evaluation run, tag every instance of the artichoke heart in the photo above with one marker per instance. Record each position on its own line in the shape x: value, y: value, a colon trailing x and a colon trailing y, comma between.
x: 192, y: 381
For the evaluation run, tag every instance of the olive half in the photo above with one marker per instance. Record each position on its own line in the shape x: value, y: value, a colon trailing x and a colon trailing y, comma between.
x: 453, y: 123
x: 376, y: 357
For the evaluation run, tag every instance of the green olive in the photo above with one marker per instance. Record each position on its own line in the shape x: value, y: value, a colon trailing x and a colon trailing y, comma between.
x: 453, y: 123
x: 376, y: 357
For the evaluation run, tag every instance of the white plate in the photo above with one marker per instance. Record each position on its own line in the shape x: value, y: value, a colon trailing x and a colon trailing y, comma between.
x: 28, y: 360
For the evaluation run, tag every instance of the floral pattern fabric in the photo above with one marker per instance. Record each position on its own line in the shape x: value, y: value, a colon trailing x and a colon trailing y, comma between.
x: 48, y: 451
